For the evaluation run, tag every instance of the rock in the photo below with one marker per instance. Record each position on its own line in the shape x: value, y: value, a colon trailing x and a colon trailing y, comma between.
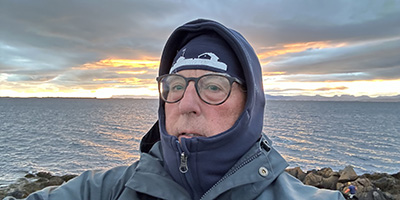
x: 31, y: 187
x: 17, y: 194
x: 369, y: 186
x: 32, y: 183
x: 396, y: 176
x: 385, y: 182
x: 325, y: 172
x: 324, y: 178
x: 363, y: 186
x: 312, y: 178
x: 366, y: 190
x: 44, y: 175
x: 330, y: 182
x: 388, y: 184
x: 68, y: 177
x: 55, y: 181
x: 347, y: 174
x: 29, y: 175
x: 297, y: 172
x: 375, y: 194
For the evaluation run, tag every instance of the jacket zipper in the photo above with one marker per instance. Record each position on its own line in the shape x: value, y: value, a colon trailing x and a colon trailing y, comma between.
x: 234, y: 170
x: 183, y: 168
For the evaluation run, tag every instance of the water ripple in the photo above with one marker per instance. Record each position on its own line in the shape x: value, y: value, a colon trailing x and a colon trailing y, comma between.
x: 73, y: 135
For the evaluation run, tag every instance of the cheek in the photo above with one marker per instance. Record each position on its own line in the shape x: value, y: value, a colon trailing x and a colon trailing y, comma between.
x: 169, y: 113
x: 236, y: 107
x: 221, y: 122
x: 231, y: 115
x: 226, y: 117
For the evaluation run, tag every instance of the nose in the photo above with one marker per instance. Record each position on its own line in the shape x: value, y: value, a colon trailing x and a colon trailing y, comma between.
x: 190, y: 103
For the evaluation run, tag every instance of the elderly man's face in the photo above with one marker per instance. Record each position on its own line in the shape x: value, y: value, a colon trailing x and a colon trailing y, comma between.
x: 191, y: 117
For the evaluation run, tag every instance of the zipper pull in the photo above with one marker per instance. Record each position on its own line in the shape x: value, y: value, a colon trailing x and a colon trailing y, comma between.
x: 183, y: 168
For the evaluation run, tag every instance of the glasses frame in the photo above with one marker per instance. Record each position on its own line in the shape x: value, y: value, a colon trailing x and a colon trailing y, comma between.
x: 196, y: 80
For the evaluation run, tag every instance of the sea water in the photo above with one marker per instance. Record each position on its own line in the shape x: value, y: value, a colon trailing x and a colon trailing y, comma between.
x: 315, y: 135
x: 69, y: 136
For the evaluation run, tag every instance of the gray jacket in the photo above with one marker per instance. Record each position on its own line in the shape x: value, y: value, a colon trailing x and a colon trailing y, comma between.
x: 259, y: 174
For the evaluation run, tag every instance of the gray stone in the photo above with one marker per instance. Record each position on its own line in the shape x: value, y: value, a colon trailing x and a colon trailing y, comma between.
x: 297, y: 172
x: 347, y: 174
x: 313, y: 179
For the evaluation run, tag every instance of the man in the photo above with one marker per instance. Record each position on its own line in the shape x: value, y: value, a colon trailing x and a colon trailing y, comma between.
x: 352, y: 189
x: 208, y: 141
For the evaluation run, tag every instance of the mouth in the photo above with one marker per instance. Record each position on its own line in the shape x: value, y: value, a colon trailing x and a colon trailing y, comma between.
x: 188, y: 135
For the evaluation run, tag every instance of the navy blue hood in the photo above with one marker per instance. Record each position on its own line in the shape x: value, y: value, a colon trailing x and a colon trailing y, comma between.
x: 208, y: 159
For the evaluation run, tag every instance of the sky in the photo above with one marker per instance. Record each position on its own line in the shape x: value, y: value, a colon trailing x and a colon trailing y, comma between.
x: 109, y: 49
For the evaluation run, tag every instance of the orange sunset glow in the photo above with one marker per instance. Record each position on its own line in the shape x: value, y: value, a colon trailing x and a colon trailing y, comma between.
x: 82, y: 53
x: 130, y: 85
x: 295, y: 48
x: 121, y: 63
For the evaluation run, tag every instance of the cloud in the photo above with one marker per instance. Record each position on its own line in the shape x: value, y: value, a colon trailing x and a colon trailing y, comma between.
x: 372, y: 60
x: 18, y: 78
x: 300, y: 21
x: 68, y: 43
x: 334, y: 88
x: 323, y: 89
x: 115, y: 73
x: 82, y: 32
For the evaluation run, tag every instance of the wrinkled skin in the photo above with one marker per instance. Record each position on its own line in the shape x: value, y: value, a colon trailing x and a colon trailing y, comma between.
x: 191, y: 117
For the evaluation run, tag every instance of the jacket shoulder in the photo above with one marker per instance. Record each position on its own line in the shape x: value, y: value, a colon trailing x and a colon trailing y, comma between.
x: 93, y: 184
x: 288, y: 187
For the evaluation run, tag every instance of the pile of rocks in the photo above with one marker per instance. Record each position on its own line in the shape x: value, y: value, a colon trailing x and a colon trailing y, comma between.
x: 31, y: 183
x: 377, y: 186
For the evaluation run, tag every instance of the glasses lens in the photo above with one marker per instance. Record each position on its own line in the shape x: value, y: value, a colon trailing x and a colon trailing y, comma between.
x: 214, y: 89
x: 172, y: 88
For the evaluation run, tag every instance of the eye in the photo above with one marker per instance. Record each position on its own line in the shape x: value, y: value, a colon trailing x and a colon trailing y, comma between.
x: 213, y: 87
x: 175, y: 83
x: 177, y: 87
x: 214, y: 84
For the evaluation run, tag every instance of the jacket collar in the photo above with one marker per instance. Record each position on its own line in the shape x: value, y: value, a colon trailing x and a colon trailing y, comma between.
x: 151, y: 178
x: 262, y: 163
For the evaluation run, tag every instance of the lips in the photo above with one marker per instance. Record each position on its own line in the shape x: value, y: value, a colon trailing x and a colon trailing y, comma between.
x: 189, y: 135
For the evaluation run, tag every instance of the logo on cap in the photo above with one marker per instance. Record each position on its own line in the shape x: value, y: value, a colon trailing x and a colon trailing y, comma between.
x: 208, y: 59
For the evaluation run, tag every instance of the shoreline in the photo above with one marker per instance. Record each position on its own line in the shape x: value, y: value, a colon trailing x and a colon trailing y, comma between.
x: 32, y: 182
x: 373, y: 186
x: 369, y: 186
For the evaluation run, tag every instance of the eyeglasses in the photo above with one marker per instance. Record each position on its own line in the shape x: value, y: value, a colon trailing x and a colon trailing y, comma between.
x: 213, y: 89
